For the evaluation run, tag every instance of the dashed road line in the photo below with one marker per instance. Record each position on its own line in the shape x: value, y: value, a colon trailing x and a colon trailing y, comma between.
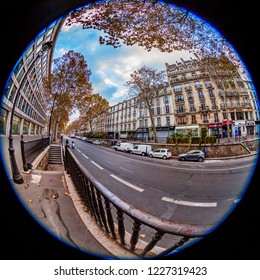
x: 127, y: 183
x: 84, y: 156
x: 126, y: 169
x: 190, y: 203
x: 97, y: 165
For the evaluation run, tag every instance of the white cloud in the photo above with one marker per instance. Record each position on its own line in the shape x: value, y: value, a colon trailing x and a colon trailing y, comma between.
x: 110, y: 67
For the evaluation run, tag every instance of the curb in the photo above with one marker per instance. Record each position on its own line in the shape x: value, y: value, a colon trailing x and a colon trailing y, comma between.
x: 119, y: 252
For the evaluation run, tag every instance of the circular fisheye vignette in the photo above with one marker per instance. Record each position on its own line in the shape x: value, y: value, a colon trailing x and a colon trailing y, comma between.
x: 248, y: 177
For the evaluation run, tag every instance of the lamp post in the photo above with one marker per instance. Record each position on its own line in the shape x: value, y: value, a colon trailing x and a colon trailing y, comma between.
x: 17, y: 177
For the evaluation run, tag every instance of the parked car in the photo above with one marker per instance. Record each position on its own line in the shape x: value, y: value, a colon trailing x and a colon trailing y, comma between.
x: 161, y: 153
x: 196, y: 155
x: 96, y: 142
x: 124, y: 146
x: 143, y: 150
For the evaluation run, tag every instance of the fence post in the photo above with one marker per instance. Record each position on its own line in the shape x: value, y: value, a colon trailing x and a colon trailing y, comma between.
x: 25, y: 167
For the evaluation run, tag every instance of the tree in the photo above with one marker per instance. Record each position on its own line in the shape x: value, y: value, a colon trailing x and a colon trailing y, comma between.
x: 145, y: 84
x: 96, y: 106
x: 151, y: 24
x: 68, y: 86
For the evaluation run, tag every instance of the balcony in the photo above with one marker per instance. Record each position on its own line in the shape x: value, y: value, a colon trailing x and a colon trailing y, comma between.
x: 204, y: 108
x: 180, y: 112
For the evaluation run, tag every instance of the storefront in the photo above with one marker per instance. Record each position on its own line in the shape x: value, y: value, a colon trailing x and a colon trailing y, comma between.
x: 184, y: 130
x: 239, y: 128
x: 250, y: 128
x: 227, y: 126
x: 215, y: 129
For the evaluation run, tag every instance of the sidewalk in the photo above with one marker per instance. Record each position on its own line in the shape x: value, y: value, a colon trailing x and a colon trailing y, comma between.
x: 51, y: 199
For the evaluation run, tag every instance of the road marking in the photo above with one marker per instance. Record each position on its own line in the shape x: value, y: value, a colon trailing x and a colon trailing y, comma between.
x: 190, y: 203
x: 84, y: 155
x: 127, y: 183
x: 126, y: 169
x: 100, y: 167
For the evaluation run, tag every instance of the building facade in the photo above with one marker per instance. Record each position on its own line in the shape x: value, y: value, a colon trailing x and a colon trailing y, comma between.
x: 202, y: 102
x: 26, y: 82
x: 189, y: 102
x: 130, y: 119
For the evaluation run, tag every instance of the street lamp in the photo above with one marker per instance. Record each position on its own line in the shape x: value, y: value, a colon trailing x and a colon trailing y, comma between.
x: 17, y: 177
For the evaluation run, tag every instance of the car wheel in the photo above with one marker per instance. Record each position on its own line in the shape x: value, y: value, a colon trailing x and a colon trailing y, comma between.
x: 182, y: 158
x: 164, y: 157
x: 200, y: 159
x: 150, y: 155
x: 143, y: 154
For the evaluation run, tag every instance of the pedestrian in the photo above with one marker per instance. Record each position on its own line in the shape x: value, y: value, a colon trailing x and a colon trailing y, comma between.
x: 205, y: 151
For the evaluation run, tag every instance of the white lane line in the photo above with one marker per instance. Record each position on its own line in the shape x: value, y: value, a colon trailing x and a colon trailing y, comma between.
x: 127, y: 183
x: 190, y: 203
x: 109, y: 162
x: 126, y: 169
x: 100, y: 167
x: 84, y: 155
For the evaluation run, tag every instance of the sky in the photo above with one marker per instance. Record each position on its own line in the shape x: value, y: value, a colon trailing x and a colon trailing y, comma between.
x: 110, y: 67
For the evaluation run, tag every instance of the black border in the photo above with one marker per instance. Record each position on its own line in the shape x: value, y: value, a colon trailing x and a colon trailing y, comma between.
x: 23, y: 238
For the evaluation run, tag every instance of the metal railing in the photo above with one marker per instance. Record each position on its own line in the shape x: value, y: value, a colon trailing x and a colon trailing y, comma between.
x: 112, y: 214
x: 31, y: 149
x: 252, y: 144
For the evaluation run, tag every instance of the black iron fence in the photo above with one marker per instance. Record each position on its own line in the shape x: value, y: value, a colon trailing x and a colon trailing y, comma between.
x: 122, y: 222
x: 31, y: 149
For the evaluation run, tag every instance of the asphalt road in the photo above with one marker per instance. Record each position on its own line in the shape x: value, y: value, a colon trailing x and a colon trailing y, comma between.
x: 187, y: 192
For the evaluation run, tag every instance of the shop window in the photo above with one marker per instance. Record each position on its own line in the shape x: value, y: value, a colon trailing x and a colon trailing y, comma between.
x: 16, y: 125
x: 3, y: 120
x: 26, y: 127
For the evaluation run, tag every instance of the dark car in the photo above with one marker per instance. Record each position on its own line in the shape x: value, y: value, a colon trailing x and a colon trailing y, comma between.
x: 196, y: 155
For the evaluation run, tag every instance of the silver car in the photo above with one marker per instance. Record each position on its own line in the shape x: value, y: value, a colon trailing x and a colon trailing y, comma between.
x: 196, y: 155
x: 161, y: 153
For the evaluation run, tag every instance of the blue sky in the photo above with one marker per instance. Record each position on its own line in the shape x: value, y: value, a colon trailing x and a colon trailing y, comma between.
x: 110, y: 67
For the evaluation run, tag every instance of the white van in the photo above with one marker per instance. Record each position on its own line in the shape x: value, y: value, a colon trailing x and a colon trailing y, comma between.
x: 124, y: 146
x: 143, y: 150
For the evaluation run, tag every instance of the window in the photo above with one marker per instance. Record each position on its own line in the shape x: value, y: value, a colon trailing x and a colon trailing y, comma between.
x: 158, y: 121
x: 189, y: 96
x: 177, y: 88
x: 205, y: 118
x: 192, y: 107
x: 16, y: 125
x: 168, y: 121
x: 216, y: 117
x: 198, y: 85
x: 166, y: 99
x: 193, y: 119
x: 3, y: 120
x: 158, y: 110
x: 200, y: 93
x: 12, y: 93
x: 180, y: 109
x: 203, y: 106
x: 167, y: 109
x: 188, y: 87
x: 240, y: 115
x: 211, y: 94
x: 179, y: 97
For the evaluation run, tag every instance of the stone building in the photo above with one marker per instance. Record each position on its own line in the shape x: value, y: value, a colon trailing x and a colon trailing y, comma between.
x: 200, y: 101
